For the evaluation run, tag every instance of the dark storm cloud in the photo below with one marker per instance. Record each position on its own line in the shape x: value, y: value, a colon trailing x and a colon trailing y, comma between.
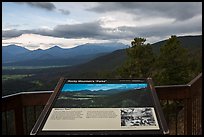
x: 12, y: 33
x: 46, y: 6
x: 177, y: 10
x: 84, y: 30
x: 91, y: 29
x: 15, y: 33
x: 43, y: 5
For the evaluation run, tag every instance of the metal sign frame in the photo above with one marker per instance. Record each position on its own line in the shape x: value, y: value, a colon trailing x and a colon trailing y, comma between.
x: 163, y: 128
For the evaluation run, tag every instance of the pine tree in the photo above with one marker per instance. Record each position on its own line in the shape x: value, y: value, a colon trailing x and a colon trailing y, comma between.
x: 172, y: 63
x: 140, y: 60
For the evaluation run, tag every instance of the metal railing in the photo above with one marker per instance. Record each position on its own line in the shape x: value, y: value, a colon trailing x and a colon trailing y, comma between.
x: 181, y: 104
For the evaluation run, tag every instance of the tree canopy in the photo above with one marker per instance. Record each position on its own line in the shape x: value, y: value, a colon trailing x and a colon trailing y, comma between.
x: 172, y: 63
x: 170, y: 66
x: 139, y: 61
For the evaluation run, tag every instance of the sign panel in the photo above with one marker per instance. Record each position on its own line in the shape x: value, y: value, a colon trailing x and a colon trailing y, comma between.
x: 126, y: 106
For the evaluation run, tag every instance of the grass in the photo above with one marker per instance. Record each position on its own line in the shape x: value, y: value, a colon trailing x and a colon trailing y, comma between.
x: 38, y: 83
x: 12, y: 77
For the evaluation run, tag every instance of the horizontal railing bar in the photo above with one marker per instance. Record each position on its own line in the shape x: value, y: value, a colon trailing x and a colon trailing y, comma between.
x: 195, y: 79
x: 171, y: 86
x: 25, y: 99
x: 30, y: 92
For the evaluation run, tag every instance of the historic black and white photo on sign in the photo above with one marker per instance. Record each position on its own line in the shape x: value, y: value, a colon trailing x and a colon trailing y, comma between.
x: 137, y: 117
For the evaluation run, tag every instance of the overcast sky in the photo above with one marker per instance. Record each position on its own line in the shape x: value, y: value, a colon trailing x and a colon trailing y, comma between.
x: 67, y: 24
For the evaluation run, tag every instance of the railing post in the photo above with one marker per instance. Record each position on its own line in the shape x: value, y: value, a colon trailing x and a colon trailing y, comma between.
x: 19, y: 118
x: 188, y: 117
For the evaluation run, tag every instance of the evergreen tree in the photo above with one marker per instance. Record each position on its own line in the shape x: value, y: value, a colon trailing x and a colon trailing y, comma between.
x: 172, y: 63
x: 140, y: 60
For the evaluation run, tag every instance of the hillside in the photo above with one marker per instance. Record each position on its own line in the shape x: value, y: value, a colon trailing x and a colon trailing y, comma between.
x: 107, y: 62
x: 10, y: 52
x: 193, y: 43
x: 117, y: 58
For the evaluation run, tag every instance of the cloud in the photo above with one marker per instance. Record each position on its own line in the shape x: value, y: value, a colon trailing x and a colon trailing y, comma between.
x: 42, y: 5
x: 177, y: 10
x: 46, y: 6
x: 82, y: 30
x: 90, y: 29
x: 187, y: 27
x: 12, y: 33
x: 96, y: 31
x: 66, y: 12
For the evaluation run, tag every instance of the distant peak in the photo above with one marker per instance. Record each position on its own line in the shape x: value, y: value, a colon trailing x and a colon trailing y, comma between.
x: 13, y: 45
x: 55, y: 47
x: 38, y: 49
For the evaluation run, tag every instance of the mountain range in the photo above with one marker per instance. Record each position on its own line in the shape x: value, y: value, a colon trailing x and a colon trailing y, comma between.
x: 98, y: 67
x: 14, y: 55
x: 89, y: 55
x: 110, y: 62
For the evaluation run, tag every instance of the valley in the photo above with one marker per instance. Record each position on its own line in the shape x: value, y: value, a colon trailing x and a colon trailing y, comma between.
x: 39, y: 77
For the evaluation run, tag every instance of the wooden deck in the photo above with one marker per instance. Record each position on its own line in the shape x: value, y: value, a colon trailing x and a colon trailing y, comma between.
x: 181, y: 104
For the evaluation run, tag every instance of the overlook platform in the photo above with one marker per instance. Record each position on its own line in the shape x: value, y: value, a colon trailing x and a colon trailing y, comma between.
x: 181, y: 104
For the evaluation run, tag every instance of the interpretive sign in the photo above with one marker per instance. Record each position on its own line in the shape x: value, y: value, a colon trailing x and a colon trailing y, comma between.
x: 96, y: 106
